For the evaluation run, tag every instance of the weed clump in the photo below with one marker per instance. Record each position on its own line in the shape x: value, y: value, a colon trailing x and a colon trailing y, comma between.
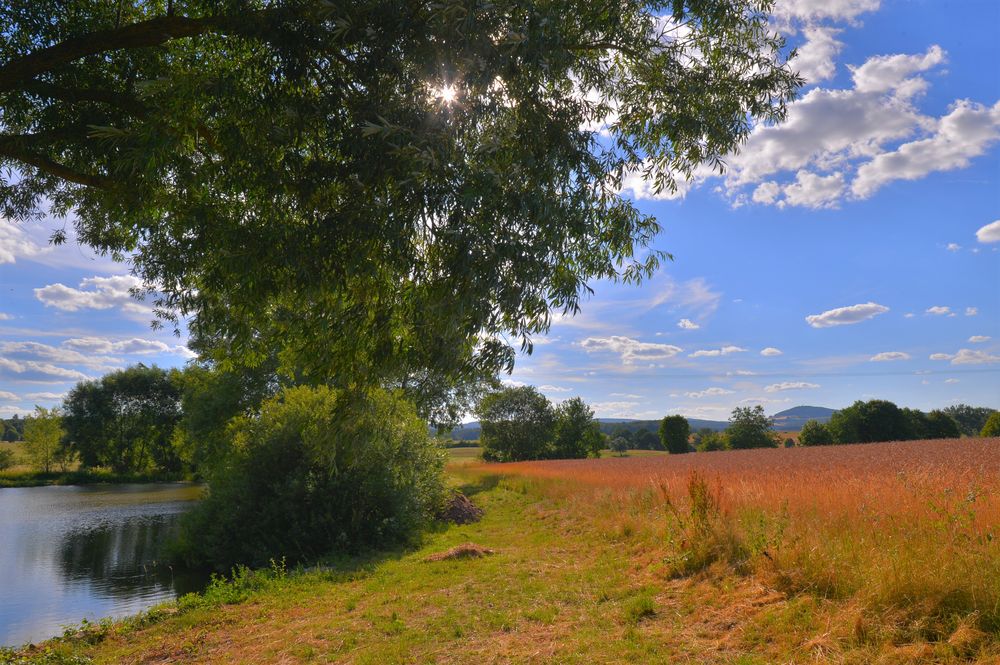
x: 703, y: 534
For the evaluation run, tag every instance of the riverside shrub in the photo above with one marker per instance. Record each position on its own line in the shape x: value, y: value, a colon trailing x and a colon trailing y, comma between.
x: 316, y: 471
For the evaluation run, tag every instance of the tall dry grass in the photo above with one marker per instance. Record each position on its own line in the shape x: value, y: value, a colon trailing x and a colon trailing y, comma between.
x: 907, y: 531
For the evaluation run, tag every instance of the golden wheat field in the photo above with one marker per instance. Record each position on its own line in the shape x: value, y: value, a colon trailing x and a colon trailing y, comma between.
x: 910, y: 530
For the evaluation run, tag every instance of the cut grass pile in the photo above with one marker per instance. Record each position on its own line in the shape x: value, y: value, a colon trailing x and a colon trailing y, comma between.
x: 586, y: 572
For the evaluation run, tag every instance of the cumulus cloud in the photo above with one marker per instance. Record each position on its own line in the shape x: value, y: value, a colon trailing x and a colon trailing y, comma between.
x: 938, y: 310
x: 38, y: 372
x: 94, y: 293
x: 789, y: 385
x: 770, y: 352
x: 47, y: 396
x: 687, y: 324
x: 815, y: 61
x: 711, y: 353
x: 15, y: 243
x: 989, y: 233
x: 889, y: 355
x: 708, y: 392
x: 134, y: 346
x: 979, y: 339
x: 966, y: 132
x: 630, y: 350
x: 11, y: 397
x: 967, y: 357
x: 810, y: 11
x: 843, y: 316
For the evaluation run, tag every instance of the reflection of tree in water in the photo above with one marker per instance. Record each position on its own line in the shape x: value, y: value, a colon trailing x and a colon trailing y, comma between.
x: 124, y: 558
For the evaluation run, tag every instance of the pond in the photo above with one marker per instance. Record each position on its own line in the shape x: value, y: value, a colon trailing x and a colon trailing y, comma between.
x: 69, y: 553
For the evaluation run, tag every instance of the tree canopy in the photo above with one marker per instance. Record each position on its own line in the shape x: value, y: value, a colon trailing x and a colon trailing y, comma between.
x: 674, y: 433
x: 382, y: 191
x: 749, y: 427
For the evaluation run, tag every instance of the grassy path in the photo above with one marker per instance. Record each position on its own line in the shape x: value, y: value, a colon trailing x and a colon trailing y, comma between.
x: 569, y: 583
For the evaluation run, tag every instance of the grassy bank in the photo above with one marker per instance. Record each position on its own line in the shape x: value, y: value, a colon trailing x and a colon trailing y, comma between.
x: 581, y: 573
x: 22, y: 478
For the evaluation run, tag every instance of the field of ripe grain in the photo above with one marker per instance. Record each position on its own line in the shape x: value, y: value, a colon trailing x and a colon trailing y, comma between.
x: 908, y: 531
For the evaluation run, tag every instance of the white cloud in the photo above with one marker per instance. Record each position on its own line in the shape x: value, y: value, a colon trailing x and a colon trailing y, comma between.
x: 770, y: 352
x: 554, y: 389
x: 979, y: 339
x: 951, y: 380
x: 38, y: 372
x: 909, y: 315
x: 511, y: 383
x: 971, y: 311
x: 789, y: 385
x: 815, y: 61
x: 967, y: 357
x: 741, y: 372
x: 630, y: 350
x: 687, y: 324
x: 94, y: 293
x: 11, y: 397
x: 813, y: 191
x: 626, y: 395
x: 709, y: 392
x: 47, y: 396
x: 8, y: 411
x: 615, y: 409
x: 842, y: 316
x: 39, y: 351
x: 953, y: 247
x: 711, y: 353
x: 966, y: 132
x: 695, y: 295
x: 810, y: 11
x: 989, y: 233
x: 885, y: 73
x: 134, y: 346
x: 5, y: 317
x: 938, y: 310
x: 890, y: 355
x: 15, y: 243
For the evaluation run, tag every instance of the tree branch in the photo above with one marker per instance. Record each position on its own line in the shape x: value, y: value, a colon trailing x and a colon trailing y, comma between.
x: 11, y: 150
x: 73, y: 95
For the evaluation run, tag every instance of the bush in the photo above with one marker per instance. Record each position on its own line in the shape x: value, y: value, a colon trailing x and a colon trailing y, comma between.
x: 710, y: 441
x: 577, y: 434
x: 6, y: 458
x: 815, y: 433
x: 516, y: 424
x: 317, y: 471
x: 674, y: 433
x: 992, y: 426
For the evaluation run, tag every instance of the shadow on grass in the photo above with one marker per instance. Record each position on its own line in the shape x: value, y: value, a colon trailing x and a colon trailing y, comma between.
x: 483, y: 483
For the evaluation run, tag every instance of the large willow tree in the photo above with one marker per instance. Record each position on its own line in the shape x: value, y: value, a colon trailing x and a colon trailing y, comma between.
x: 381, y: 191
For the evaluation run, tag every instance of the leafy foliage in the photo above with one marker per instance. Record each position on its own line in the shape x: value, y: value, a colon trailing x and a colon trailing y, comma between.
x: 875, y: 420
x: 283, y: 172
x: 43, y: 435
x: 992, y: 426
x: 6, y: 458
x: 674, y: 433
x: 970, y: 419
x: 749, y: 427
x: 318, y: 470
x: 710, y: 441
x: 815, y: 433
x: 619, y: 445
x: 577, y: 434
x: 125, y: 420
x: 517, y: 424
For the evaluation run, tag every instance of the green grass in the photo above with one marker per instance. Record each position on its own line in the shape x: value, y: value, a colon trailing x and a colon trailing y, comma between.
x: 579, y: 576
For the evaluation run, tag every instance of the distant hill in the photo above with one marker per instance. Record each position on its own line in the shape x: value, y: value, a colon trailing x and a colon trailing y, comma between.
x: 788, y: 420
x: 793, y: 419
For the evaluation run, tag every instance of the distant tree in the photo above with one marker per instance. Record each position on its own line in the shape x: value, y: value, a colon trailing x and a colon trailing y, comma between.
x: 866, y: 422
x: 577, y: 434
x: 918, y: 427
x: 43, y: 435
x: 749, y: 427
x: 992, y: 426
x: 674, y: 433
x: 646, y: 440
x: 125, y: 420
x: 815, y: 433
x: 970, y: 419
x: 13, y: 429
x: 619, y: 445
x: 940, y: 425
x: 711, y: 441
x: 789, y: 442
x: 516, y: 424
x: 700, y: 432
x: 622, y: 431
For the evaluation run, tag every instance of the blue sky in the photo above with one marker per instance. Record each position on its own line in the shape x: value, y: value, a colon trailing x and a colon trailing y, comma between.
x: 852, y: 252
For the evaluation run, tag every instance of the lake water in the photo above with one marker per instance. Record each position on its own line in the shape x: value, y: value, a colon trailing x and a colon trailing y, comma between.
x: 69, y: 553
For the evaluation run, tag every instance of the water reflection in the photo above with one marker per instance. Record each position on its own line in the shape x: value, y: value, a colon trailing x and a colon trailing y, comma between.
x: 68, y: 553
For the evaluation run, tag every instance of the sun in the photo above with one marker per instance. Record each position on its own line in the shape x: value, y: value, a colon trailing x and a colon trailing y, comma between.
x: 447, y: 94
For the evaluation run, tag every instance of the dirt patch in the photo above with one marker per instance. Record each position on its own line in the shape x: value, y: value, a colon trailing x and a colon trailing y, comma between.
x: 459, y: 509
x: 463, y: 551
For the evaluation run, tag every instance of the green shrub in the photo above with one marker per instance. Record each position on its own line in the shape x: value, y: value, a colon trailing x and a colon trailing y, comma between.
x: 674, y: 433
x: 992, y: 426
x: 316, y: 471
x: 6, y: 458
x: 815, y: 433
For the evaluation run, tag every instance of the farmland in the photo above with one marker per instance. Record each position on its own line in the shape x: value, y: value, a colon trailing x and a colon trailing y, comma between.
x: 848, y: 554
